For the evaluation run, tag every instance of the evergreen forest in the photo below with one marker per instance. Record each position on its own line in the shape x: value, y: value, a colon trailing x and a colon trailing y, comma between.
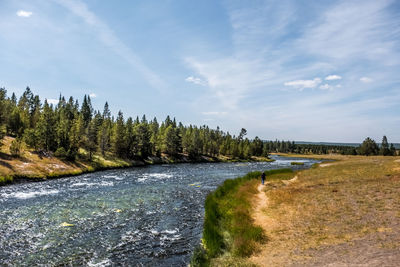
x: 65, y: 128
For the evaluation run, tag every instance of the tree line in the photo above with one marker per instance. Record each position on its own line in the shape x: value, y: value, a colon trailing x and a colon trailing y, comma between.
x: 67, y: 127
x: 368, y: 148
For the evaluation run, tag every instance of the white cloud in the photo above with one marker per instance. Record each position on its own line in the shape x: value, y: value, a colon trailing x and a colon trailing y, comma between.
x: 302, y: 84
x: 333, y: 77
x: 92, y: 95
x: 196, y: 80
x: 326, y: 87
x: 23, y: 13
x: 52, y: 101
x: 366, y: 80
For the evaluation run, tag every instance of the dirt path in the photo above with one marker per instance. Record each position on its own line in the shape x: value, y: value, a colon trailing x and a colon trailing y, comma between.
x: 261, y: 218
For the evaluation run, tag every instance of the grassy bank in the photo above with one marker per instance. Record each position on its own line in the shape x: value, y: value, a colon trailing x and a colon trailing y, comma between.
x: 345, y: 212
x: 229, y: 230
x: 31, y: 166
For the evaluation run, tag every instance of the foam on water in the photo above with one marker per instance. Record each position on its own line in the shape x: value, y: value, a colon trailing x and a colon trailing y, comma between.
x: 80, y: 184
x: 156, y: 176
x: 115, y: 177
x: 96, y: 263
x: 171, y: 231
x: 30, y: 194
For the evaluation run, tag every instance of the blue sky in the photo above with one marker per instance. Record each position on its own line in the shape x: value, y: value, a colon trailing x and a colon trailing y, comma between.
x: 298, y: 70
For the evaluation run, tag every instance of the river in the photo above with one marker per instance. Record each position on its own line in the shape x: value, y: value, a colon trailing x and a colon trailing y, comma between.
x: 141, y: 216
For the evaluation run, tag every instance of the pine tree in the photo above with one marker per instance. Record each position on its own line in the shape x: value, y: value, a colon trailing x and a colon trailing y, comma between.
x: 130, y: 139
x: 369, y: 147
x: 118, y: 136
x: 91, y: 143
x: 392, y: 150
x: 143, y: 136
x: 384, y: 147
x: 104, y: 134
x: 46, y: 131
x: 86, y: 110
x: 154, y: 139
x: 170, y: 142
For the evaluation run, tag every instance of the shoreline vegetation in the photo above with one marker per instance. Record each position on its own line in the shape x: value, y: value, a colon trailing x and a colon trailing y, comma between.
x: 65, y: 137
x: 68, y: 138
x: 229, y: 230
x: 330, y: 214
x: 32, y: 166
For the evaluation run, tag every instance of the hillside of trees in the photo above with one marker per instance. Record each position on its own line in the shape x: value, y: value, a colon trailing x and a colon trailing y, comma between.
x: 65, y: 128
x: 368, y: 148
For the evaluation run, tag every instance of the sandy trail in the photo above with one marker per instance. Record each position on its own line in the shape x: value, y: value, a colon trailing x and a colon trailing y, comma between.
x: 267, y: 223
x: 259, y: 216
x: 261, y: 219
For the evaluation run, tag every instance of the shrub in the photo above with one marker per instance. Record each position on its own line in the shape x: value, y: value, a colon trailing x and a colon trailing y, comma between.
x: 6, y: 179
x: 16, y: 147
x: 60, y: 153
x: 199, y: 257
x: 31, y: 139
x: 296, y: 163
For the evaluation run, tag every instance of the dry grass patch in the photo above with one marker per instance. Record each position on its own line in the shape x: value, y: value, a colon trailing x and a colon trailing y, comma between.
x: 31, y: 165
x: 335, y: 214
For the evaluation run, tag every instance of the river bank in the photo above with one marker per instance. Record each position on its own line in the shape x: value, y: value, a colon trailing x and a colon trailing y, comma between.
x: 150, y: 215
x: 345, y: 212
x: 32, y: 166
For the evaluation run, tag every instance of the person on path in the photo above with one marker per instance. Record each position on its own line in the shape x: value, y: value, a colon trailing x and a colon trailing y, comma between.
x: 262, y: 178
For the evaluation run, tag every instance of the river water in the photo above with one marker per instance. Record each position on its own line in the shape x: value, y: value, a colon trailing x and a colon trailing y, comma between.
x: 141, y: 216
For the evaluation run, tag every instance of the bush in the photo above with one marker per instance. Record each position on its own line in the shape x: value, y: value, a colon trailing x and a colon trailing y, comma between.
x: 6, y: 179
x: 16, y: 147
x: 296, y: 163
x: 199, y: 257
x: 72, y: 153
x: 60, y: 153
x: 30, y: 138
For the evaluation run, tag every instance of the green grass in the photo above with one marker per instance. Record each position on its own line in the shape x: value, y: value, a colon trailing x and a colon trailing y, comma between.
x: 228, y: 225
x: 6, y: 179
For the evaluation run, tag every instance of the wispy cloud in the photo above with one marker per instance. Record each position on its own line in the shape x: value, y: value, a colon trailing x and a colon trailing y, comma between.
x: 109, y: 38
x: 328, y: 40
x: 24, y: 13
x: 366, y: 80
x: 92, y: 95
x: 333, y: 77
x: 326, y: 87
x: 196, y: 80
x: 215, y: 113
x: 302, y: 84
x: 352, y: 29
x: 52, y: 101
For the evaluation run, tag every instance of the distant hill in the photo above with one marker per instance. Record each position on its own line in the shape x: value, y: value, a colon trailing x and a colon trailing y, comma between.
x: 396, y: 145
